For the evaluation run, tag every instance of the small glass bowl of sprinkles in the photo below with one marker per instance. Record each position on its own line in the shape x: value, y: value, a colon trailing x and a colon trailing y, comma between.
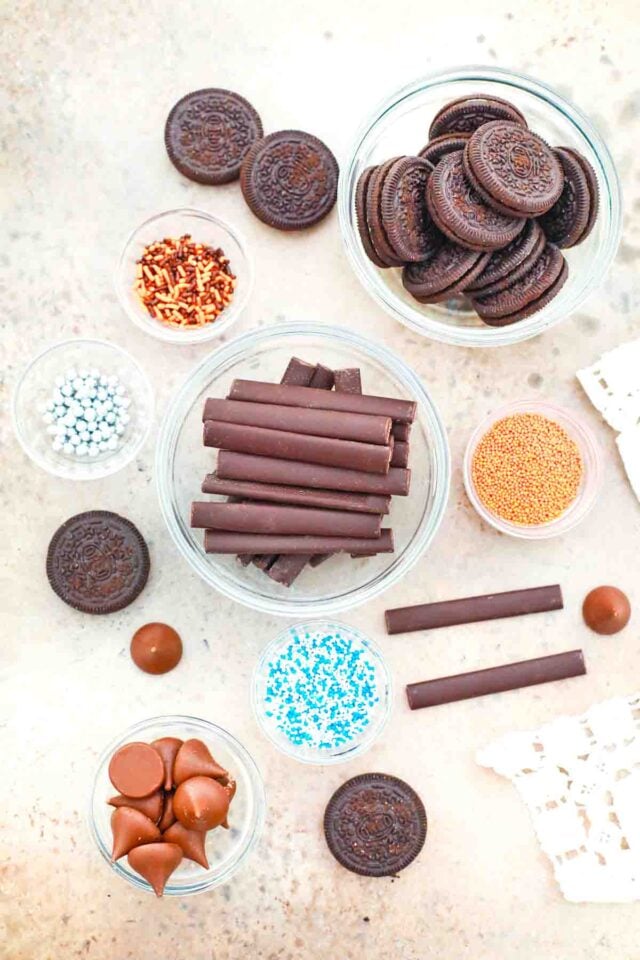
x: 532, y: 470
x: 321, y: 692
x: 184, y: 276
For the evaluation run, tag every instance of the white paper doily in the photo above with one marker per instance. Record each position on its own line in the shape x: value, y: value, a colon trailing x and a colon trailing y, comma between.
x: 613, y: 386
x: 580, y: 778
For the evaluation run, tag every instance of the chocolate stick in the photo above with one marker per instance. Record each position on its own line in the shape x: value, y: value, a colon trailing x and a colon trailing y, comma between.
x: 400, y: 454
x: 299, y: 447
x: 278, y: 519
x: 244, y: 466
x: 401, y: 431
x: 257, y: 391
x: 320, y: 423
x: 221, y: 541
x: 348, y: 380
x: 512, y: 676
x: 493, y: 606
x: 296, y: 496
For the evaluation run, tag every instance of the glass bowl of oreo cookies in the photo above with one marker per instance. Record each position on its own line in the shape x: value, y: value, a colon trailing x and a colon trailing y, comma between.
x: 479, y: 207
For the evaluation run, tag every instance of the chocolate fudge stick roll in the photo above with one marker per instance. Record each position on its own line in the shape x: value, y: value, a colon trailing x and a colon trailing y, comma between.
x: 512, y: 676
x: 493, y: 606
x: 221, y: 541
x: 400, y: 454
x: 257, y: 391
x: 401, y: 431
x: 320, y: 423
x: 279, y: 519
x: 244, y: 466
x: 296, y: 496
x: 299, y: 447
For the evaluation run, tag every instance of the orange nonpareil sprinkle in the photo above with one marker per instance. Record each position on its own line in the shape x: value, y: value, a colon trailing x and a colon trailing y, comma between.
x: 182, y: 283
x: 527, y: 469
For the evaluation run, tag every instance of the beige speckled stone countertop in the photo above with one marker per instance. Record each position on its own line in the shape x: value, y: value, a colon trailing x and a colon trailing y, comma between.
x: 87, y: 88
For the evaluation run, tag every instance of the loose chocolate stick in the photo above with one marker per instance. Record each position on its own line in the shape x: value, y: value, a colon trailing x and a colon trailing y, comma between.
x: 244, y: 466
x: 401, y: 431
x: 257, y: 391
x: 512, y: 676
x: 400, y: 454
x: 296, y: 496
x: 299, y: 447
x: 298, y: 373
x: 221, y: 541
x: 493, y: 606
x: 278, y: 519
x: 320, y: 423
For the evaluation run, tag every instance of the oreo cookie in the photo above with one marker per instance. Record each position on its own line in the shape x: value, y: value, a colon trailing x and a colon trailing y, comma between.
x: 467, y: 114
x: 403, y: 208
x: 208, y: 134
x: 289, y: 180
x: 98, y: 562
x: 571, y: 217
x: 377, y: 231
x: 507, y: 265
x: 439, y: 147
x: 375, y: 825
x: 447, y: 272
x: 362, y: 189
x: 514, y: 170
x: 526, y: 295
x: 461, y: 214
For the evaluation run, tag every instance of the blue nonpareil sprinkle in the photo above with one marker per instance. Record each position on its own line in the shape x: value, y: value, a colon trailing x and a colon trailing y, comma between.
x: 322, y: 689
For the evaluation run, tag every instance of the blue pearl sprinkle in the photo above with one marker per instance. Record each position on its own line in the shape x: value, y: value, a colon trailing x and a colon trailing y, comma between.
x: 321, y: 689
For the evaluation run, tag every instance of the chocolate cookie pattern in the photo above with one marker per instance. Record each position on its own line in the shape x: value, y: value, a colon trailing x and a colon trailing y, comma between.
x: 375, y: 825
x: 290, y: 179
x: 460, y: 212
x: 566, y: 221
x: 98, y: 562
x: 410, y: 230
x: 439, y: 147
x: 467, y: 114
x: 208, y: 134
x: 542, y: 275
x: 514, y: 168
x: 511, y: 262
x: 447, y: 268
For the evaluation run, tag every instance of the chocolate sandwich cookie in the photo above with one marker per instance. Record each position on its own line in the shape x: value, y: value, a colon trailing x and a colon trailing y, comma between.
x: 375, y: 825
x: 361, y: 216
x: 528, y: 294
x: 513, y: 169
x: 594, y: 193
x: 461, y: 214
x: 409, y: 228
x: 377, y: 231
x: 289, y: 179
x: 467, y: 114
x: 565, y: 224
x: 507, y: 265
x: 439, y: 147
x: 208, y: 134
x: 98, y: 562
x: 448, y: 272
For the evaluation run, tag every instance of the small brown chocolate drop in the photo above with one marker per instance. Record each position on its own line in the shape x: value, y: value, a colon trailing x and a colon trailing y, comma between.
x: 194, y: 760
x: 156, y: 862
x: 191, y: 842
x: 606, y: 610
x: 130, y: 829
x: 168, y: 748
x: 151, y: 806
x: 136, y: 770
x: 201, y: 803
x: 168, y: 816
x: 156, y: 648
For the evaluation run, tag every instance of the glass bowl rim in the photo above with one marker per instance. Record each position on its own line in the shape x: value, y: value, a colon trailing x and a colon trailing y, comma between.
x: 106, y: 471
x: 200, y: 334
x: 368, y: 740
x: 592, y: 471
x: 258, y: 789
x: 480, y: 337
x: 167, y: 442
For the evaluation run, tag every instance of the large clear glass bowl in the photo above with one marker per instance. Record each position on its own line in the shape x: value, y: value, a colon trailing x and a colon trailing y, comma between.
x: 400, y: 126
x: 226, y: 850
x: 182, y: 462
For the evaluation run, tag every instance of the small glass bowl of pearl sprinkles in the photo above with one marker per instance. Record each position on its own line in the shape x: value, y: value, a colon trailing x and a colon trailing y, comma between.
x: 321, y: 692
x: 82, y: 409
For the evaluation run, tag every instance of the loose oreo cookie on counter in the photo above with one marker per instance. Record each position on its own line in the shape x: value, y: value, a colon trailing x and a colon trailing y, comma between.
x: 98, y: 562
x: 375, y: 825
x: 289, y: 180
x: 208, y: 134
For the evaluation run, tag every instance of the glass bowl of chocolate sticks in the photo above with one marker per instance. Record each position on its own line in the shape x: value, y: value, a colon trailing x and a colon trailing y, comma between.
x: 302, y: 469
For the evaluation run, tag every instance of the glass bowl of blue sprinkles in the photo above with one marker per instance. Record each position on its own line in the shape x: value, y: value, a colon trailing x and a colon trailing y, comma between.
x: 82, y: 409
x: 321, y: 692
